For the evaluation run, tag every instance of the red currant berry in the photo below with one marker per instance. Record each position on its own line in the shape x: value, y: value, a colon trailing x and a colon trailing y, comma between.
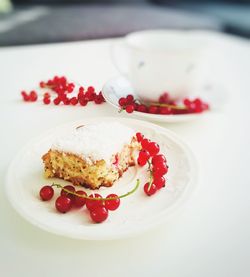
x: 112, y: 204
x: 165, y: 110
x: 50, y: 83
x: 25, y: 96
x: 91, y: 204
x: 46, y: 100
x: 101, y: 96
x: 153, y: 109
x: 46, y: 95
x: 42, y: 84
x: 90, y: 96
x: 191, y: 107
x: 66, y: 101
x: 197, y: 102
x: 135, y: 106
x: 83, y: 102
x: 187, y: 102
x: 139, y: 137
x: 144, y: 143
x: 164, y: 98
x: 142, y: 108
x: 122, y: 101
x: 150, y: 190
x: 130, y: 99
x: 59, y: 90
x: 56, y: 79
x: 57, y: 101
x: 98, y: 99
x: 130, y: 108
x: 63, y: 204
x: 70, y: 87
x: 73, y: 101
x: 160, y: 170
x: 153, y: 148
x: 81, y: 90
x: 91, y: 90
x: 63, y: 80
x: 80, y: 95
x: 99, y: 214
x: 80, y: 201
x: 198, y: 109
x: 158, y: 159
x: 143, y: 157
x: 46, y: 193
x: 159, y: 182
x: 65, y: 193
x: 33, y: 96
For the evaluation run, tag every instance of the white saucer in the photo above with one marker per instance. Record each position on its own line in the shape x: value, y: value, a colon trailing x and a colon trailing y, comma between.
x: 137, y: 213
x: 118, y: 87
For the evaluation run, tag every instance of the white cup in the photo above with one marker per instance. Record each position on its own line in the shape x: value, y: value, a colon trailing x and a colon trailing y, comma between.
x: 158, y: 61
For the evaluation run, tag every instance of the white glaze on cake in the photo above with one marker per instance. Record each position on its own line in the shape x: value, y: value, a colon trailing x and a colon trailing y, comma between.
x: 95, y: 142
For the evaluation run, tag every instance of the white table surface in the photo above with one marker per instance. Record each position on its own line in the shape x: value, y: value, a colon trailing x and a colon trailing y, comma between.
x: 211, y: 235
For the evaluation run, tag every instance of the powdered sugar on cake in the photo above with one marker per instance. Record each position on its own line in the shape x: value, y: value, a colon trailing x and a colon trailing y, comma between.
x: 95, y: 142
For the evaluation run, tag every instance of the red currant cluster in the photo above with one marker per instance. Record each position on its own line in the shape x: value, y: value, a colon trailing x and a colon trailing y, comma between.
x: 157, y: 164
x: 64, y: 92
x: 98, y: 207
x: 29, y: 97
x: 164, y: 106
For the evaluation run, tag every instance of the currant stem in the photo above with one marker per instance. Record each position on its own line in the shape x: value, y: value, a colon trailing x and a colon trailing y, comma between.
x: 151, y: 174
x: 103, y: 199
x: 169, y: 106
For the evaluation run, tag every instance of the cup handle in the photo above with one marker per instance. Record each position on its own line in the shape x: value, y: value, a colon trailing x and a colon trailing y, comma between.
x: 119, y: 57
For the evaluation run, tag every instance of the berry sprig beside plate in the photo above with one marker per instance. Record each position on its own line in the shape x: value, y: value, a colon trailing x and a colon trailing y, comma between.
x: 164, y: 106
x: 59, y: 90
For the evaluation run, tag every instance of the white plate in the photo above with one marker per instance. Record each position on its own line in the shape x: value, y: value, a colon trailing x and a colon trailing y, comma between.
x: 118, y: 87
x: 137, y: 213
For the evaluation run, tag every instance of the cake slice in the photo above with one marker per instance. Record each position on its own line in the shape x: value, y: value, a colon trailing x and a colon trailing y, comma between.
x: 92, y: 155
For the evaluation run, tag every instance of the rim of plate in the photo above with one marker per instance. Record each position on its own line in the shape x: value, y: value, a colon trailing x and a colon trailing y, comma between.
x: 159, y: 219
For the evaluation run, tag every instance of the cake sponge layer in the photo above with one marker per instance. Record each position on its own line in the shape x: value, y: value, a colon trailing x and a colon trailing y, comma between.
x: 79, y: 171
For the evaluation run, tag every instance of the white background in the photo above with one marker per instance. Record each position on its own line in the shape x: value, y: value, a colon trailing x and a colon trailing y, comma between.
x: 210, y: 237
